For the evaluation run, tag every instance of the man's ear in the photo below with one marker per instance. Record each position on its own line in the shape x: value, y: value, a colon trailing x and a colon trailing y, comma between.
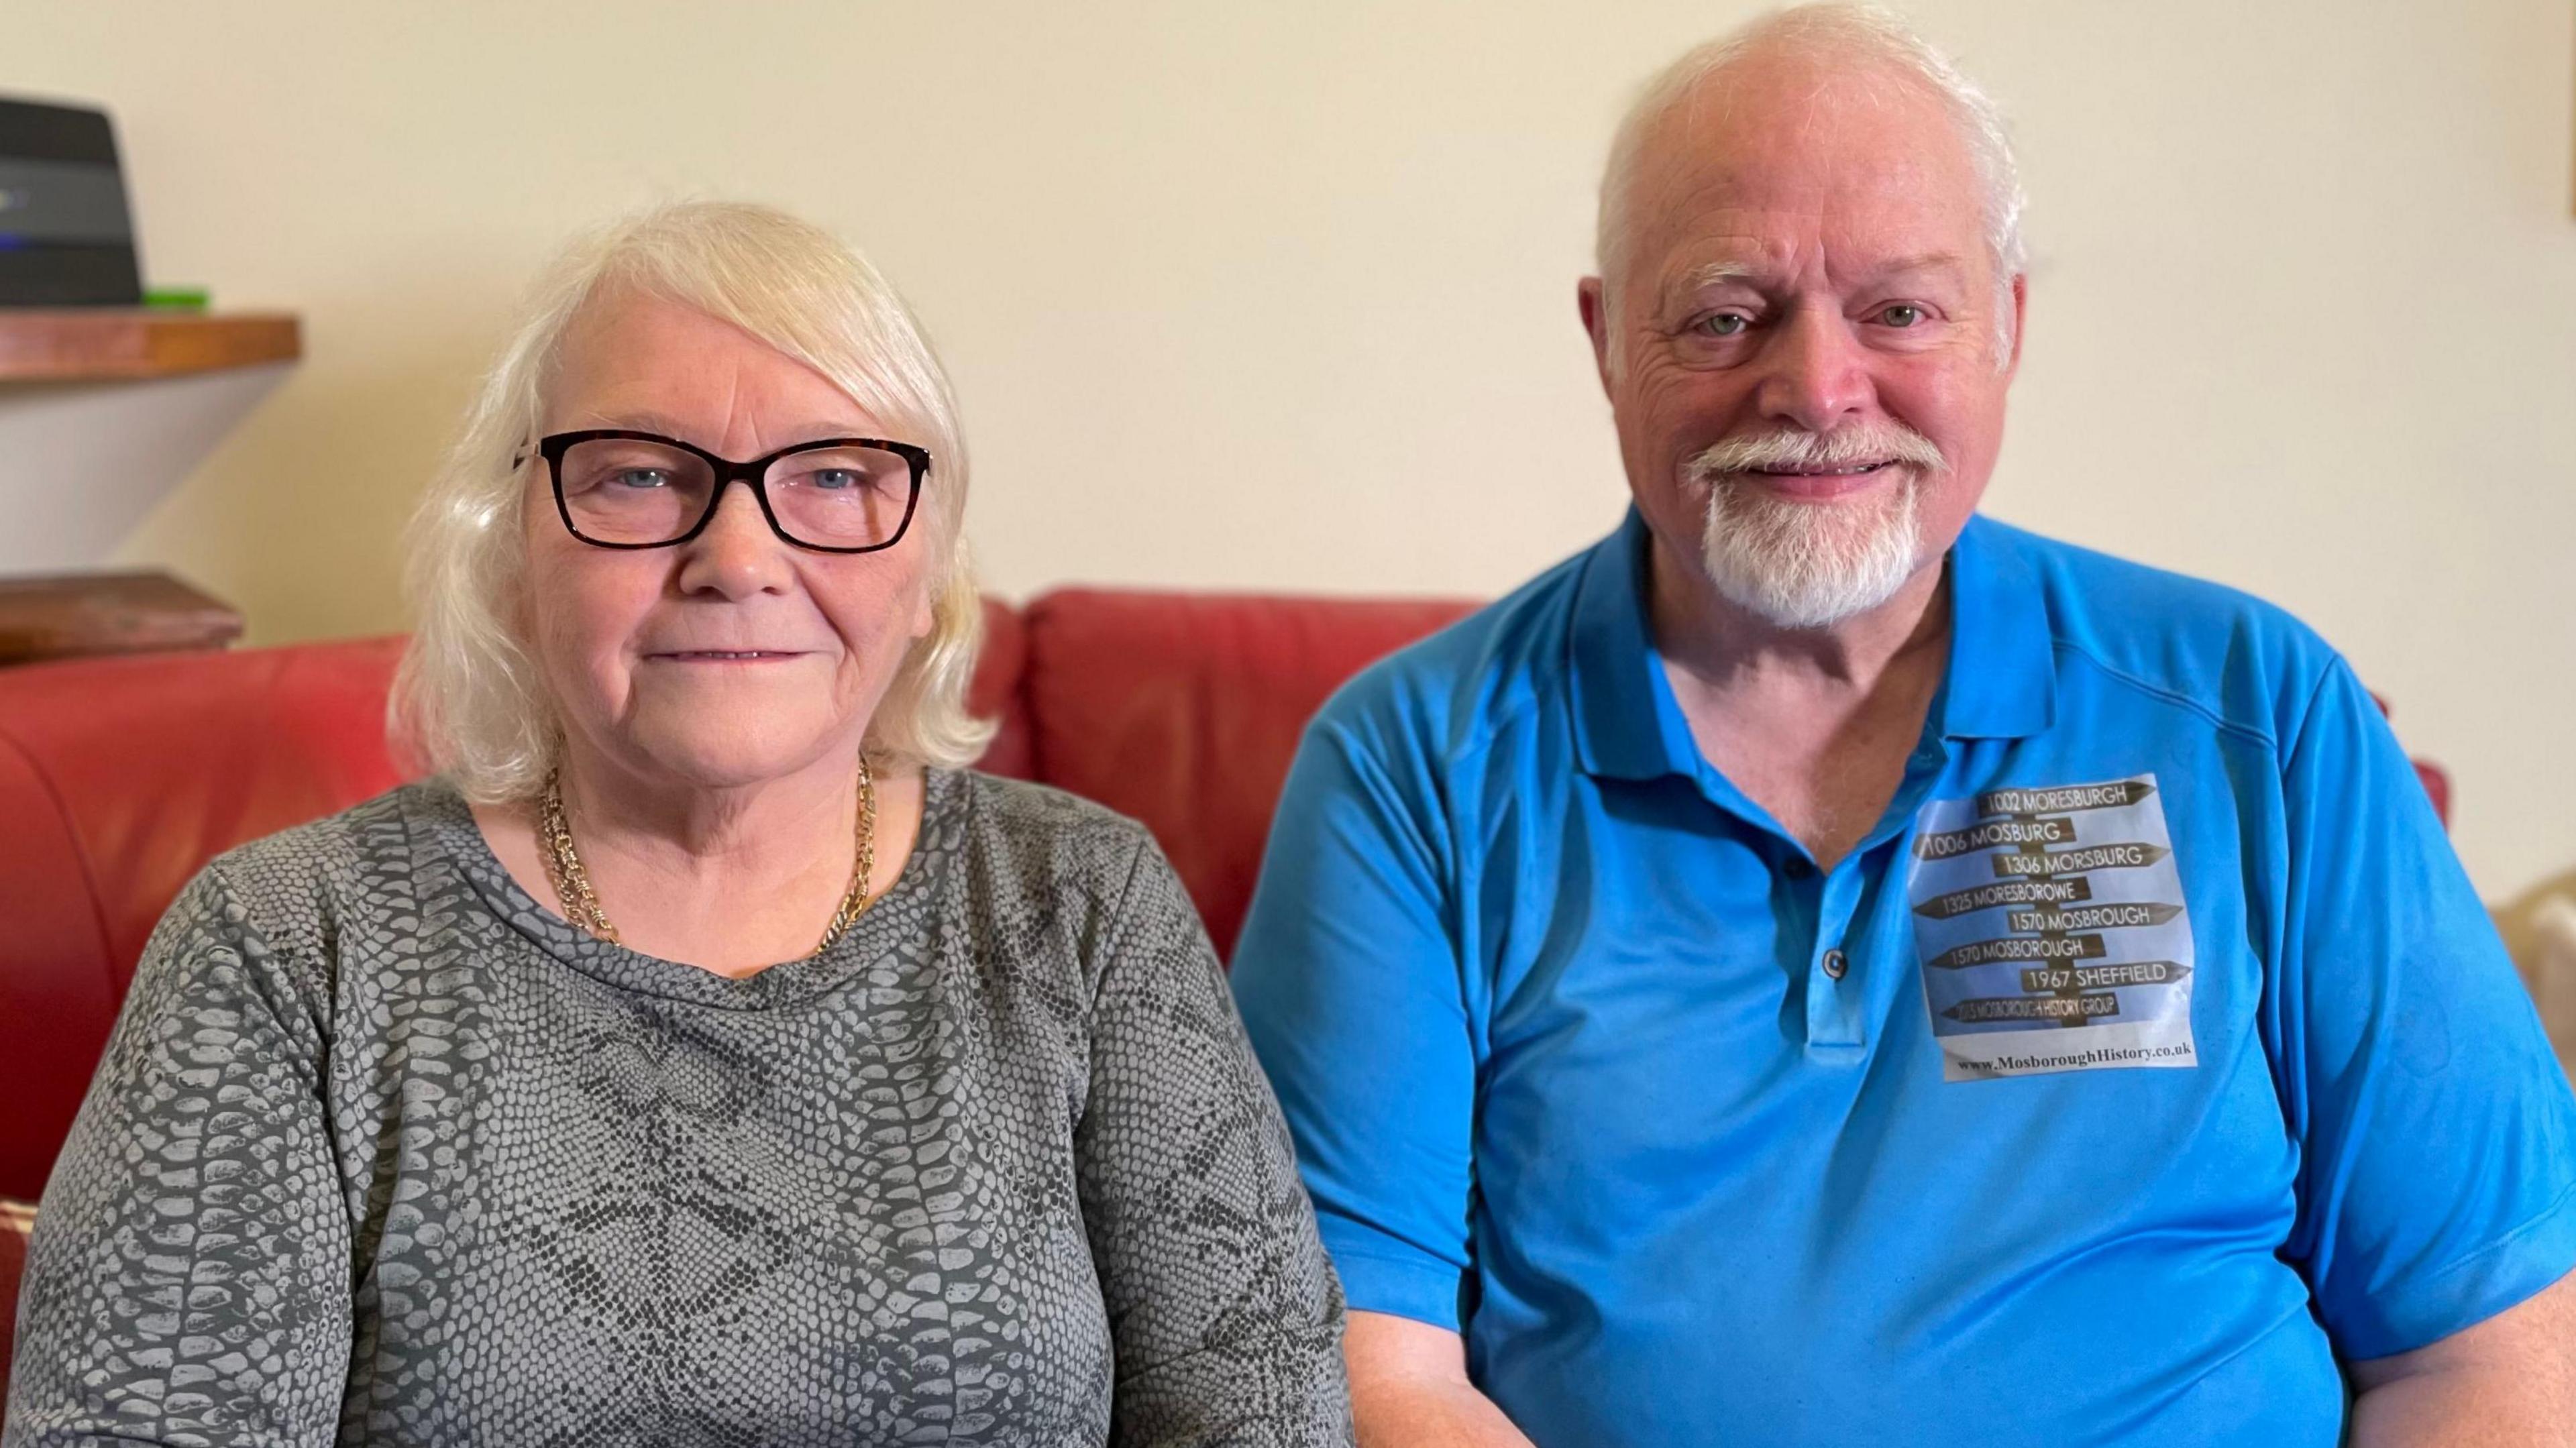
x: 2021, y: 319
x: 1593, y: 302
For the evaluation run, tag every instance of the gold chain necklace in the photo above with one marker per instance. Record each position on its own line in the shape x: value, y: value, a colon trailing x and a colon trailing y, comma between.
x: 581, y: 903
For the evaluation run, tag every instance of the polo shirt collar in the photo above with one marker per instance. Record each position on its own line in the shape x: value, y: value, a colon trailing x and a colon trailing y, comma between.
x: 1626, y: 723
x: 2001, y: 681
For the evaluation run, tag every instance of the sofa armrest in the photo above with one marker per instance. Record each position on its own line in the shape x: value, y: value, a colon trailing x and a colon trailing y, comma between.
x: 17, y: 1220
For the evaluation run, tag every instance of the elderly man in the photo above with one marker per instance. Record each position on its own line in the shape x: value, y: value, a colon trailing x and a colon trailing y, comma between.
x: 1821, y: 967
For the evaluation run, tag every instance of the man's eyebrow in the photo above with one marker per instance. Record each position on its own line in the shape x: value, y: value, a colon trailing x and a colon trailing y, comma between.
x: 1714, y: 273
x: 1907, y: 265
x: 1719, y: 272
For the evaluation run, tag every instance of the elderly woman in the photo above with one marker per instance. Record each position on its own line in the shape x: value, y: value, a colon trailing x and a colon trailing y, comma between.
x: 704, y: 1056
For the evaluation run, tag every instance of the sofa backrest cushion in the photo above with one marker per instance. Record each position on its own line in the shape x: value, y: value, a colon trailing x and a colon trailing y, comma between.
x: 126, y: 776
x: 1184, y: 710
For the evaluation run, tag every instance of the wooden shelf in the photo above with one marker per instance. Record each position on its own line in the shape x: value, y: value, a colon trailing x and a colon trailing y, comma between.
x: 108, y: 613
x: 107, y: 344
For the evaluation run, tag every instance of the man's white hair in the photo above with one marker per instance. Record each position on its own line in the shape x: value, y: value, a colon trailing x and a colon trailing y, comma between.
x: 1866, y: 36
x: 468, y: 698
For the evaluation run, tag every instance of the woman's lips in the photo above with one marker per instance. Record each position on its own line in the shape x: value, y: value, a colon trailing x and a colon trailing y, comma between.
x: 725, y: 656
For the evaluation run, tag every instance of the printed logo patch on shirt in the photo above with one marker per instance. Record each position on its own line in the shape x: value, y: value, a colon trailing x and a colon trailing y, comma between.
x: 2052, y: 930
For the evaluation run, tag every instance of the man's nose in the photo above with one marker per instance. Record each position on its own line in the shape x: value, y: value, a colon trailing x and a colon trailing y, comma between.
x: 1816, y: 373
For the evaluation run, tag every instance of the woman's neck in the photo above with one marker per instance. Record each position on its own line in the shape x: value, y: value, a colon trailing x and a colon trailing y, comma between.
x: 731, y: 880
x: 763, y: 831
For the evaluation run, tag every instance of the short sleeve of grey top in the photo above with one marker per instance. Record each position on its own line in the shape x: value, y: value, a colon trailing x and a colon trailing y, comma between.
x: 383, y: 1152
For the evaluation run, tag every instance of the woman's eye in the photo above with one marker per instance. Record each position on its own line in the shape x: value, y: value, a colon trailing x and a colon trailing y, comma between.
x: 834, y: 478
x: 641, y: 478
x: 1723, y: 324
x: 1900, y: 315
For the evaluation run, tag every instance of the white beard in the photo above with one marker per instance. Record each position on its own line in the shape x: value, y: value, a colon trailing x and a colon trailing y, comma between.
x: 1813, y: 565
x: 1809, y: 565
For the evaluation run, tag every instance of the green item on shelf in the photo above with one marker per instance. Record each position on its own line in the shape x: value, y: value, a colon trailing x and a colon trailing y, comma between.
x: 177, y: 299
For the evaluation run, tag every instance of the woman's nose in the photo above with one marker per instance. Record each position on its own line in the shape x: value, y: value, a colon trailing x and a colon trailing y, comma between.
x: 736, y: 554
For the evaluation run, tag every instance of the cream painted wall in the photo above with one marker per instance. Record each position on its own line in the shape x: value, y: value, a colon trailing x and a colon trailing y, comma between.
x: 1280, y: 296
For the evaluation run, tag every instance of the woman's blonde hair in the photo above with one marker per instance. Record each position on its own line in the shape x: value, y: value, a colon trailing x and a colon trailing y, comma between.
x: 467, y: 699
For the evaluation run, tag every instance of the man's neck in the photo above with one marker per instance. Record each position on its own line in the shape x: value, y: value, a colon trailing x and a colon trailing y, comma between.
x: 1727, y: 648
x: 1814, y: 725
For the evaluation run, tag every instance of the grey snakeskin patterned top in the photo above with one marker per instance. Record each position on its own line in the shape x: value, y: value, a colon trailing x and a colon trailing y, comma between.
x: 383, y: 1152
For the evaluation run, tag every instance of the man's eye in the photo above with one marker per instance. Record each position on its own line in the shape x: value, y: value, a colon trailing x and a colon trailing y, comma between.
x: 1900, y: 315
x: 1722, y: 324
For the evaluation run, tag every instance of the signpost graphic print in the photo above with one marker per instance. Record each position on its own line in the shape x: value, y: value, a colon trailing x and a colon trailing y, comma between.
x: 2052, y: 930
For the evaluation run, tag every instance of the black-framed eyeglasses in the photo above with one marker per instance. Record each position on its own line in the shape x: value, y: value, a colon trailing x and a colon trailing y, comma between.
x: 617, y: 488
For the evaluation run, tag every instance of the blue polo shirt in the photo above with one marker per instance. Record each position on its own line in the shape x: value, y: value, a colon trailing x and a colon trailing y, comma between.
x: 2151, y: 1052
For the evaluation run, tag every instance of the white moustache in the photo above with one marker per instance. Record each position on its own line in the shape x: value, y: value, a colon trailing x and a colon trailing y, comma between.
x: 1861, y: 445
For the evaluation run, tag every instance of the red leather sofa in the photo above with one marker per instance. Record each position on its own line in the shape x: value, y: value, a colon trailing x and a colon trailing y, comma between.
x: 120, y: 778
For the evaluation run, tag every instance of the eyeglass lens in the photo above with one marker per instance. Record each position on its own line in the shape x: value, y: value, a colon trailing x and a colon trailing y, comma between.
x: 627, y: 490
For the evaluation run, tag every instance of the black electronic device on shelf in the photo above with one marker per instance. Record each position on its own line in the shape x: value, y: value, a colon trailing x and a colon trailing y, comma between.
x: 66, y: 234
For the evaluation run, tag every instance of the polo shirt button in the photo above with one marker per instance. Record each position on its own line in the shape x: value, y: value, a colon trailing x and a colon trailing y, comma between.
x: 1836, y: 963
